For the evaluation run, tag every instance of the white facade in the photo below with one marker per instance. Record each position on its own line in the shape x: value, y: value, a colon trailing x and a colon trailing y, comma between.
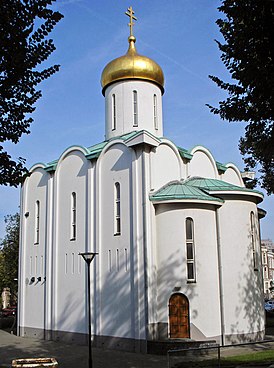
x: 130, y: 198
x: 267, y: 247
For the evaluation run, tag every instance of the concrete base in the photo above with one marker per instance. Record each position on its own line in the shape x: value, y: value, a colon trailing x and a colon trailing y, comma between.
x: 107, y: 342
x: 120, y: 343
x: 158, y: 342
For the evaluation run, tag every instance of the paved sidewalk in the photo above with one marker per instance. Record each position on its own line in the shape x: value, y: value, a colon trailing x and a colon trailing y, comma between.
x: 76, y: 356
x: 72, y: 356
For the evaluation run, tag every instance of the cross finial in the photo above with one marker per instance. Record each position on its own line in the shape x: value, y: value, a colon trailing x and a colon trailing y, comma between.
x: 130, y: 13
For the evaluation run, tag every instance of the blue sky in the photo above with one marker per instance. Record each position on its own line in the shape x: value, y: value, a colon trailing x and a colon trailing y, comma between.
x: 178, y: 34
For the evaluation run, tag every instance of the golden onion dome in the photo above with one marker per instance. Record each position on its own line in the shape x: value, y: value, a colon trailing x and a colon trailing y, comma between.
x: 132, y: 66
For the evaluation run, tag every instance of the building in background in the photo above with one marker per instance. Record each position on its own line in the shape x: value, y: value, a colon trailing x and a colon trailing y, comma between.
x: 267, y: 249
x: 177, y: 232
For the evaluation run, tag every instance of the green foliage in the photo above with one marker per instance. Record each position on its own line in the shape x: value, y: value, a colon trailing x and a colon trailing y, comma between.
x: 247, y: 53
x: 9, y: 254
x: 24, y: 27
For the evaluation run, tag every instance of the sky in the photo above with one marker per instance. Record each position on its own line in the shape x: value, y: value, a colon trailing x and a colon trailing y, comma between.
x: 179, y: 35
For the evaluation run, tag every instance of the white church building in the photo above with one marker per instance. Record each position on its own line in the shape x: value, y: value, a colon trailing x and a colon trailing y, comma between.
x: 176, y: 232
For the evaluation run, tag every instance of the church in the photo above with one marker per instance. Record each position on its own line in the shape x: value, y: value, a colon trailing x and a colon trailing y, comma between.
x: 177, y: 233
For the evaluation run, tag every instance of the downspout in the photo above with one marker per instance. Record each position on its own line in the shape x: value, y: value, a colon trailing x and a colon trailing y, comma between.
x: 144, y: 210
x: 21, y: 266
x: 220, y: 274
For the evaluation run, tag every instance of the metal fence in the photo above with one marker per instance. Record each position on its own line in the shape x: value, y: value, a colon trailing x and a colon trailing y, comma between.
x: 212, y: 356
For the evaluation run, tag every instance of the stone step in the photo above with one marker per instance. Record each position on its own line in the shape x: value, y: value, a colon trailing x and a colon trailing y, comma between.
x: 162, y: 347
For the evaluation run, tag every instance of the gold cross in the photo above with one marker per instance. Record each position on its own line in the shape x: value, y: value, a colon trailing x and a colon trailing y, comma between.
x: 130, y: 13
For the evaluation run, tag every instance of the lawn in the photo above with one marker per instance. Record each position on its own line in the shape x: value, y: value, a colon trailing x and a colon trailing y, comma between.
x: 256, y: 359
x: 251, y: 359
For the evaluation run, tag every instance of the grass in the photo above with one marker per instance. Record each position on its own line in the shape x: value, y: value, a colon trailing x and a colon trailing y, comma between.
x: 251, y: 359
x: 256, y: 359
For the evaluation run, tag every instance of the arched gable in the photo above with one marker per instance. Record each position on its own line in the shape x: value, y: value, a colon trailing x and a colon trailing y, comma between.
x: 233, y: 175
x: 202, y: 163
x: 70, y: 150
x: 166, y: 165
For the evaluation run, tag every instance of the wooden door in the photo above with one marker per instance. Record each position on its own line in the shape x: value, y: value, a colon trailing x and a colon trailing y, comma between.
x: 178, y: 317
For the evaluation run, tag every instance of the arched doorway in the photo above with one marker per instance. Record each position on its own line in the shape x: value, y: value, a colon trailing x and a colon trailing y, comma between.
x: 178, y: 316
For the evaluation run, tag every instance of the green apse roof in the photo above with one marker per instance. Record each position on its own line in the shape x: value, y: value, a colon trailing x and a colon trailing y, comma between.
x: 198, y: 189
x: 214, y: 185
x: 181, y: 191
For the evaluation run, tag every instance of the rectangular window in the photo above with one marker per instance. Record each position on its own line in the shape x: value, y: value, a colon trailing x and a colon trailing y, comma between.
x: 190, y: 252
x: 73, y: 217
x: 117, y: 210
x: 113, y: 112
x: 135, y: 109
x: 155, y: 118
x: 37, y: 222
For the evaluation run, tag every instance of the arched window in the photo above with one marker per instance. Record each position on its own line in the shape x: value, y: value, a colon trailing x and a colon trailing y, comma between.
x: 190, y: 251
x: 135, y: 109
x: 37, y: 222
x: 254, y: 241
x: 113, y: 112
x: 117, y: 210
x: 155, y: 117
x: 73, y: 217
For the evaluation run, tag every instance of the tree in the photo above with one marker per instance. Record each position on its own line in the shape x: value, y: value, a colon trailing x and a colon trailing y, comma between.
x: 247, y: 53
x: 9, y: 254
x: 24, y: 27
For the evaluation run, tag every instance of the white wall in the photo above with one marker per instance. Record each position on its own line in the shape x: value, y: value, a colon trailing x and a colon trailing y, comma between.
x: 69, y: 267
x: 124, y: 108
x: 33, y: 254
x: 243, y: 298
x: 171, y: 239
x: 116, y: 251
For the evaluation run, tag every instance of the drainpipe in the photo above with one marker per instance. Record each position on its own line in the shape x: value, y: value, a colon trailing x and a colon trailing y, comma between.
x: 220, y: 274
x: 144, y: 210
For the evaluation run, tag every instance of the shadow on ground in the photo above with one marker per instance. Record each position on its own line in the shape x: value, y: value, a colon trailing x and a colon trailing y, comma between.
x: 72, y: 356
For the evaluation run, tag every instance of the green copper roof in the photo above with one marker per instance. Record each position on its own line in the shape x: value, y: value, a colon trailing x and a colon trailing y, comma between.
x: 221, y: 168
x: 212, y: 185
x: 51, y: 166
x: 93, y: 152
x: 184, y: 153
x: 181, y: 191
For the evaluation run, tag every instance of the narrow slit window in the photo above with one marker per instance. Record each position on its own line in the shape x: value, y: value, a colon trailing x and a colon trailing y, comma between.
x: 135, y: 109
x: 109, y: 260
x: 36, y: 265
x: 117, y: 210
x: 72, y: 263
x: 126, y: 260
x: 155, y: 117
x: 190, y: 251
x: 73, y: 217
x: 114, y: 112
x: 37, y: 222
x: 117, y: 260
x: 42, y: 265
x: 254, y: 241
